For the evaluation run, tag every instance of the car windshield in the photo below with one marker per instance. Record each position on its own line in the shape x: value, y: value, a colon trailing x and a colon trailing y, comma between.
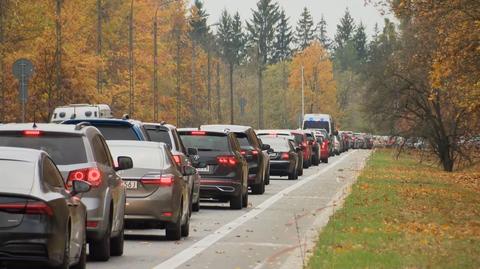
x: 162, y: 136
x: 64, y: 150
x: 206, y: 142
x: 277, y: 144
x: 117, y: 132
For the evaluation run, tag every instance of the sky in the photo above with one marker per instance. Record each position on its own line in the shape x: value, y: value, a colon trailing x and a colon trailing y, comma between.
x: 332, y: 10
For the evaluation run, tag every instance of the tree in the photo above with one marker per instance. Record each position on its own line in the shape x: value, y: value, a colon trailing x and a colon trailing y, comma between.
x: 345, y: 30
x: 261, y: 30
x: 305, y: 31
x: 360, y: 43
x: 322, y: 35
x: 232, y: 41
x: 283, y: 38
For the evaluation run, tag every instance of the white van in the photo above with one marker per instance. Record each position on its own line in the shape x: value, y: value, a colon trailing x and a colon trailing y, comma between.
x: 319, y: 121
x: 80, y: 111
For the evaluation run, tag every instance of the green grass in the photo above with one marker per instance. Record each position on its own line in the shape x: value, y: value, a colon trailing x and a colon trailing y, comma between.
x: 403, y: 214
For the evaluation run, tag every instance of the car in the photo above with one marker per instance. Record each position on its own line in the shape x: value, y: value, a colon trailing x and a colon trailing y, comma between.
x: 324, y: 148
x: 41, y: 222
x: 358, y: 141
x: 222, y: 167
x: 116, y: 129
x: 302, y: 141
x: 157, y: 194
x: 81, y: 153
x: 80, y: 111
x: 283, y: 157
x: 312, y: 141
x: 337, y: 145
x: 252, y: 151
x: 185, y: 157
x: 286, y: 133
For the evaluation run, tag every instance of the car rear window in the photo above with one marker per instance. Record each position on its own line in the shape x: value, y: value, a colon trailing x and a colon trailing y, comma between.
x: 243, y: 140
x: 63, y: 150
x: 16, y: 174
x: 277, y: 144
x: 119, y: 132
x: 162, y: 136
x: 298, y: 138
x: 142, y: 157
x: 206, y: 142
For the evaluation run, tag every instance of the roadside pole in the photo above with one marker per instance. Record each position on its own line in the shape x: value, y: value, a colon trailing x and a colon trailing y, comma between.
x: 303, y: 97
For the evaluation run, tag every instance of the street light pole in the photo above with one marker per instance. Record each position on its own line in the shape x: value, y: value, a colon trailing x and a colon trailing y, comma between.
x: 303, y: 96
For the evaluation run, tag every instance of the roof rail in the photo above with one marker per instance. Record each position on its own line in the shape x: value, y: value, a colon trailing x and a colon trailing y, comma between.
x: 82, y: 124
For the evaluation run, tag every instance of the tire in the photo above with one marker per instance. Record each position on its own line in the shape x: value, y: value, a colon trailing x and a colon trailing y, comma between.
x: 82, y: 261
x: 100, y: 250
x: 325, y: 160
x: 293, y: 175
x: 267, y: 177
x: 259, y: 188
x: 245, y: 200
x: 300, y: 172
x: 173, y: 230
x: 236, y: 202
x: 186, y: 226
x: 196, y: 207
x: 117, y: 243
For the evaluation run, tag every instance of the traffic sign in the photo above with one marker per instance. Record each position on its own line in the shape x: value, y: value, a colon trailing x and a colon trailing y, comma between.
x: 23, y: 70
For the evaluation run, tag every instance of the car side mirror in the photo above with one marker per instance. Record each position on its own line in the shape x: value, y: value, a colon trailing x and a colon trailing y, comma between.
x: 265, y: 147
x: 270, y: 150
x: 124, y: 163
x: 80, y: 186
x: 189, y: 171
x: 192, y: 151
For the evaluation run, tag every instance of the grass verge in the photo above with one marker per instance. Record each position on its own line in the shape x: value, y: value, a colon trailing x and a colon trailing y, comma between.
x: 404, y: 214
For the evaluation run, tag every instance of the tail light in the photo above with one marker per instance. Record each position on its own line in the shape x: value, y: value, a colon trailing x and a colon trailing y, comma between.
x: 285, y: 156
x: 227, y: 160
x: 92, y: 175
x: 254, y: 152
x: 198, y: 133
x: 243, y: 152
x: 324, y: 145
x: 28, y: 208
x: 177, y: 159
x: 32, y: 133
x: 162, y: 181
x: 304, y: 144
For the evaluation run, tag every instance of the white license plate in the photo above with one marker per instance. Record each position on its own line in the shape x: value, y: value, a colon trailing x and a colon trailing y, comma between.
x: 272, y: 154
x: 131, y: 185
x: 204, y: 169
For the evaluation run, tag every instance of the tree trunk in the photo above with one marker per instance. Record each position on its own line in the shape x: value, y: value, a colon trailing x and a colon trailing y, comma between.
x: 192, y: 86
x: 285, y: 93
x: 177, y: 75
x: 155, y: 70
x: 232, y: 108
x: 130, y: 62
x: 99, y: 44
x: 219, y: 112
x: 260, y: 97
x: 58, y: 51
x: 209, y: 81
x: 2, y: 67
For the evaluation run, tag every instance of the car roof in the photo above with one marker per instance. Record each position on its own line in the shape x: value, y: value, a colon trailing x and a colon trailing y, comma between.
x: 105, y: 121
x: 47, y: 127
x: 222, y: 127
x: 20, y: 154
x: 135, y: 143
x: 187, y: 130
x: 166, y: 125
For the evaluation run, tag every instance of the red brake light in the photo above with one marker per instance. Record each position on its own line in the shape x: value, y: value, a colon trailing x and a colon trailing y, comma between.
x: 243, y: 152
x: 254, y: 152
x: 198, y: 133
x: 227, y: 160
x: 164, y: 181
x: 177, y: 159
x: 29, y: 208
x: 285, y: 156
x: 91, y: 175
x: 32, y: 133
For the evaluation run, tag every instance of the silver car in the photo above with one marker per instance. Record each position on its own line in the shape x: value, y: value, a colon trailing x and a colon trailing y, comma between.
x: 81, y: 153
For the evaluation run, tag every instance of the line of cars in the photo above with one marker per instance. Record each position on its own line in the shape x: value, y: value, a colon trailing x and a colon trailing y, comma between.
x: 84, y: 181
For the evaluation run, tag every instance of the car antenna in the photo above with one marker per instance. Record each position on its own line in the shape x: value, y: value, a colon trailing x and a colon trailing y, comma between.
x: 34, y: 119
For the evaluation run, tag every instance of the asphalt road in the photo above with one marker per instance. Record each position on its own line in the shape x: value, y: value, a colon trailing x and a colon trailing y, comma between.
x: 275, y: 231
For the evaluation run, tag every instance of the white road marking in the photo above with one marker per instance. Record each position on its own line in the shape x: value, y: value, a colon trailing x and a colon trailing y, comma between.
x: 211, y: 239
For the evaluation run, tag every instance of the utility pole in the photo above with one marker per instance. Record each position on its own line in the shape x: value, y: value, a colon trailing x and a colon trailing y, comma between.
x: 99, y: 44
x: 155, y: 69
x: 209, y: 79
x: 219, y: 113
x: 58, y: 49
x: 303, y: 95
x: 192, y: 84
x: 2, y: 67
x: 130, y: 61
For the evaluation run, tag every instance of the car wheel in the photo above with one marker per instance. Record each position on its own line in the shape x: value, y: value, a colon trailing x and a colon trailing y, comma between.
x: 245, y: 199
x: 100, y: 250
x: 173, y: 230
x: 300, y: 171
x: 82, y: 260
x: 259, y: 188
x: 293, y: 175
x: 325, y: 160
x: 267, y: 177
x: 117, y: 243
x: 236, y: 202
x: 186, y: 226
x: 196, y: 207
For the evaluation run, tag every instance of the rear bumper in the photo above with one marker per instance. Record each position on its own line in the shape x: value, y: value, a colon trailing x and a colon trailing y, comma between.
x: 150, y: 209
x: 279, y: 168
x: 215, y: 188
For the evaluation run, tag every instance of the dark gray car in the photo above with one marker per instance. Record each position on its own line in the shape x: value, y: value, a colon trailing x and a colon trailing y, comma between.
x: 41, y: 222
x: 81, y: 153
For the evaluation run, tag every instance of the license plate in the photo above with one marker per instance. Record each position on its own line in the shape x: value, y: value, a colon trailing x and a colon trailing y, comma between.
x: 204, y: 169
x: 272, y: 154
x: 131, y: 185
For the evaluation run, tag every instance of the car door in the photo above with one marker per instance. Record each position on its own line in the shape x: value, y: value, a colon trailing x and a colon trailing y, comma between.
x: 76, y: 210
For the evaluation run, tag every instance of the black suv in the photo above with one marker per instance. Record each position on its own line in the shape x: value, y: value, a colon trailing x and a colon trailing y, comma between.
x: 252, y: 150
x: 167, y: 133
x: 81, y: 153
x: 223, y: 169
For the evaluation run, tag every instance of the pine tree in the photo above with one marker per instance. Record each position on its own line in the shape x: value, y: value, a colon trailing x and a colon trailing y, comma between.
x: 360, y: 42
x: 322, y: 33
x: 198, y: 22
x: 283, y: 39
x: 305, y: 31
x: 345, y: 30
x: 261, y: 30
